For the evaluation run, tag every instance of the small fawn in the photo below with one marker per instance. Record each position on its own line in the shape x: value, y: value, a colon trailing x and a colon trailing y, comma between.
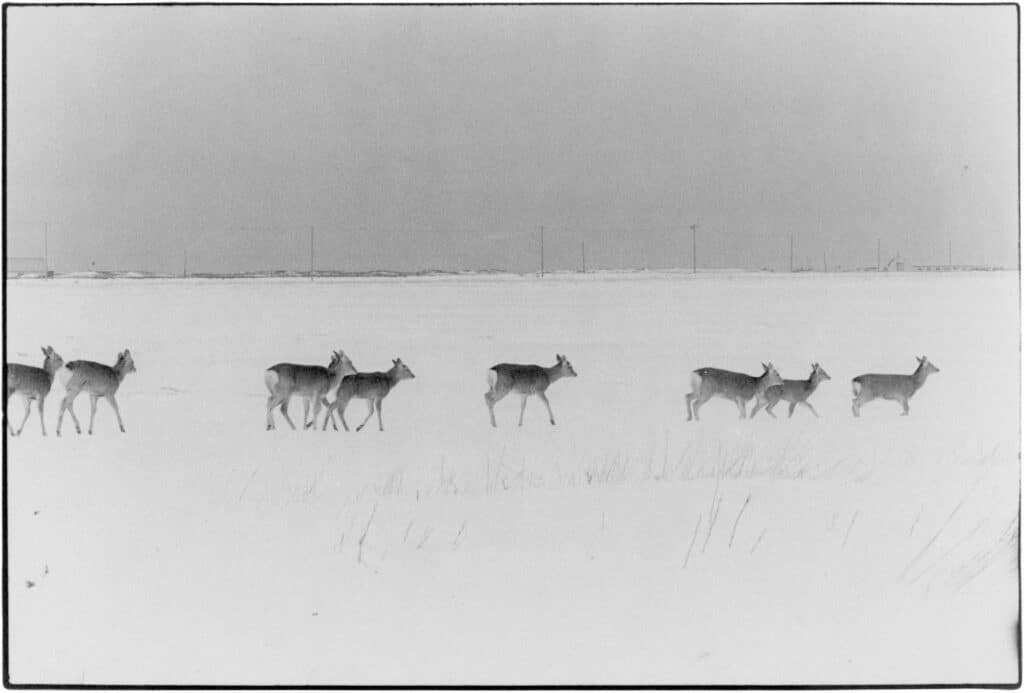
x: 793, y: 391
x: 32, y: 384
x: 737, y: 387
x: 890, y: 386
x: 525, y: 381
x: 309, y: 382
x: 99, y: 381
x: 373, y: 387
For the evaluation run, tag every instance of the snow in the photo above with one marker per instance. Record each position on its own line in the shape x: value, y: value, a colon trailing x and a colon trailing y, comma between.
x: 622, y: 546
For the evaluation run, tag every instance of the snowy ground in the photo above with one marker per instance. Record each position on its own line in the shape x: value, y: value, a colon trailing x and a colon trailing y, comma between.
x: 622, y: 546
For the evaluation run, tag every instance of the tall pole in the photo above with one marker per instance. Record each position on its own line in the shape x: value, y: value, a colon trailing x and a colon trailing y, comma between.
x: 311, y: 253
x: 46, y: 249
x: 583, y: 255
x: 951, y: 253
x: 542, y: 251
x: 824, y: 260
x: 184, y: 264
x: 790, y: 252
x: 879, y: 261
x: 693, y: 227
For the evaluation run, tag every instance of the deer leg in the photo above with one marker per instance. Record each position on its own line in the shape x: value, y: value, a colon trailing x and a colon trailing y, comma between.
x: 698, y: 402
x: 272, y: 402
x: 757, y: 407
x: 284, y: 412
x: 28, y: 410
x: 689, y: 406
x: 117, y: 412
x: 42, y: 419
x: 491, y: 398
x: 368, y: 415
x: 93, y: 399
x: 380, y: 423
x: 544, y: 398
x: 742, y: 406
x: 317, y: 404
x: 906, y: 406
x: 69, y: 405
x: 792, y: 406
x: 811, y: 407
x: 522, y: 408
x: 771, y: 405
x: 305, y: 413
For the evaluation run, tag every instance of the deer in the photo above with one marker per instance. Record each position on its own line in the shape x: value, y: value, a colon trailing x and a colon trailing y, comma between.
x: 737, y: 387
x: 890, y: 386
x: 373, y: 387
x: 31, y: 383
x: 525, y: 380
x: 98, y: 380
x: 793, y: 391
x: 309, y: 382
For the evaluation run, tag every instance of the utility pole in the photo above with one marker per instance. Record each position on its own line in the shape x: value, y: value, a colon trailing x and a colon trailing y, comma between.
x: 879, y: 261
x: 694, y: 227
x: 184, y: 264
x: 311, y: 265
x: 583, y: 255
x: 790, y: 252
x: 46, y: 249
x: 824, y: 260
x: 542, y: 251
x: 951, y: 254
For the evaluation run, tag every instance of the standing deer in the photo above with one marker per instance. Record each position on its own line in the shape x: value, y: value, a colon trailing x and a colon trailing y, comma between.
x: 737, y: 387
x: 99, y: 381
x: 32, y: 384
x: 525, y: 381
x: 793, y: 391
x: 889, y: 386
x: 373, y: 387
x: 309, y: 382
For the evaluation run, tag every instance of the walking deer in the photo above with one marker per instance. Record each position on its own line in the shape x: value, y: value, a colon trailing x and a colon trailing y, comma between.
x: 309, y: 382
x: 525, y: 381
x: 98, y: 381
x: 373, y: 387
x: 737, y: 387
x: 793, y: 391
x: 890, y: 386
x: 31, y: 383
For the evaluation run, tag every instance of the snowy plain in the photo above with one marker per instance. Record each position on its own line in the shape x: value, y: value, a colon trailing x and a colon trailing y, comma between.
x: 622, y: 546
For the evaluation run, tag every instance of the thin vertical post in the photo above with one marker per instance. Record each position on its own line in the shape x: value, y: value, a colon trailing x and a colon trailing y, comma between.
x: 311, y: 253
x: 583, y: 255
x: 879, y: 260
x: 542, y: 251
x: 790, y: 252
x: 951, y: 254
x: 184, y: 264
x: 693, y: 227
x: 824, y: 260
x: 46, y: 249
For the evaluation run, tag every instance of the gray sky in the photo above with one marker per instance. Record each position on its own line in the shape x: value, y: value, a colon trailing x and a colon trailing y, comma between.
x: 415, y: 138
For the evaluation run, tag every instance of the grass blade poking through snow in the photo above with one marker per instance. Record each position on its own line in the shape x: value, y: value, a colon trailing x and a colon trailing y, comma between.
x: 736, y: 523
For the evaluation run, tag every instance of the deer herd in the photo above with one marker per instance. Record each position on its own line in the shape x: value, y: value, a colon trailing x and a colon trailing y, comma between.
x: 314, y: 384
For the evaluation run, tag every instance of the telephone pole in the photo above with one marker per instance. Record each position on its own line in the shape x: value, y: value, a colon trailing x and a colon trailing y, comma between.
x: 46, y: 249
x: 879, y: 261
x: 790, y: 252
x: 950, y: 253
x: 184, y: 263
x: 583, y: 255
x: 311, y: 253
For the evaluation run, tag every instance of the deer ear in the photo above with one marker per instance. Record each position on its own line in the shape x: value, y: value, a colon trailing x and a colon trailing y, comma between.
x: 45, y: 352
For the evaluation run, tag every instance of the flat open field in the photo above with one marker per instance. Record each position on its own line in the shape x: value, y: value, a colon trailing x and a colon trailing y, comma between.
x: 622, y: 546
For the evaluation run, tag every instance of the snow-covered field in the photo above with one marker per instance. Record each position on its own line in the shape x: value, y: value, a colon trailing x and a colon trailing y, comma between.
x: 622, y: 546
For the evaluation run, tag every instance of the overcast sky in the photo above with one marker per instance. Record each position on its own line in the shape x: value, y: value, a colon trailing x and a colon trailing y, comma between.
x: 430, y: 137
